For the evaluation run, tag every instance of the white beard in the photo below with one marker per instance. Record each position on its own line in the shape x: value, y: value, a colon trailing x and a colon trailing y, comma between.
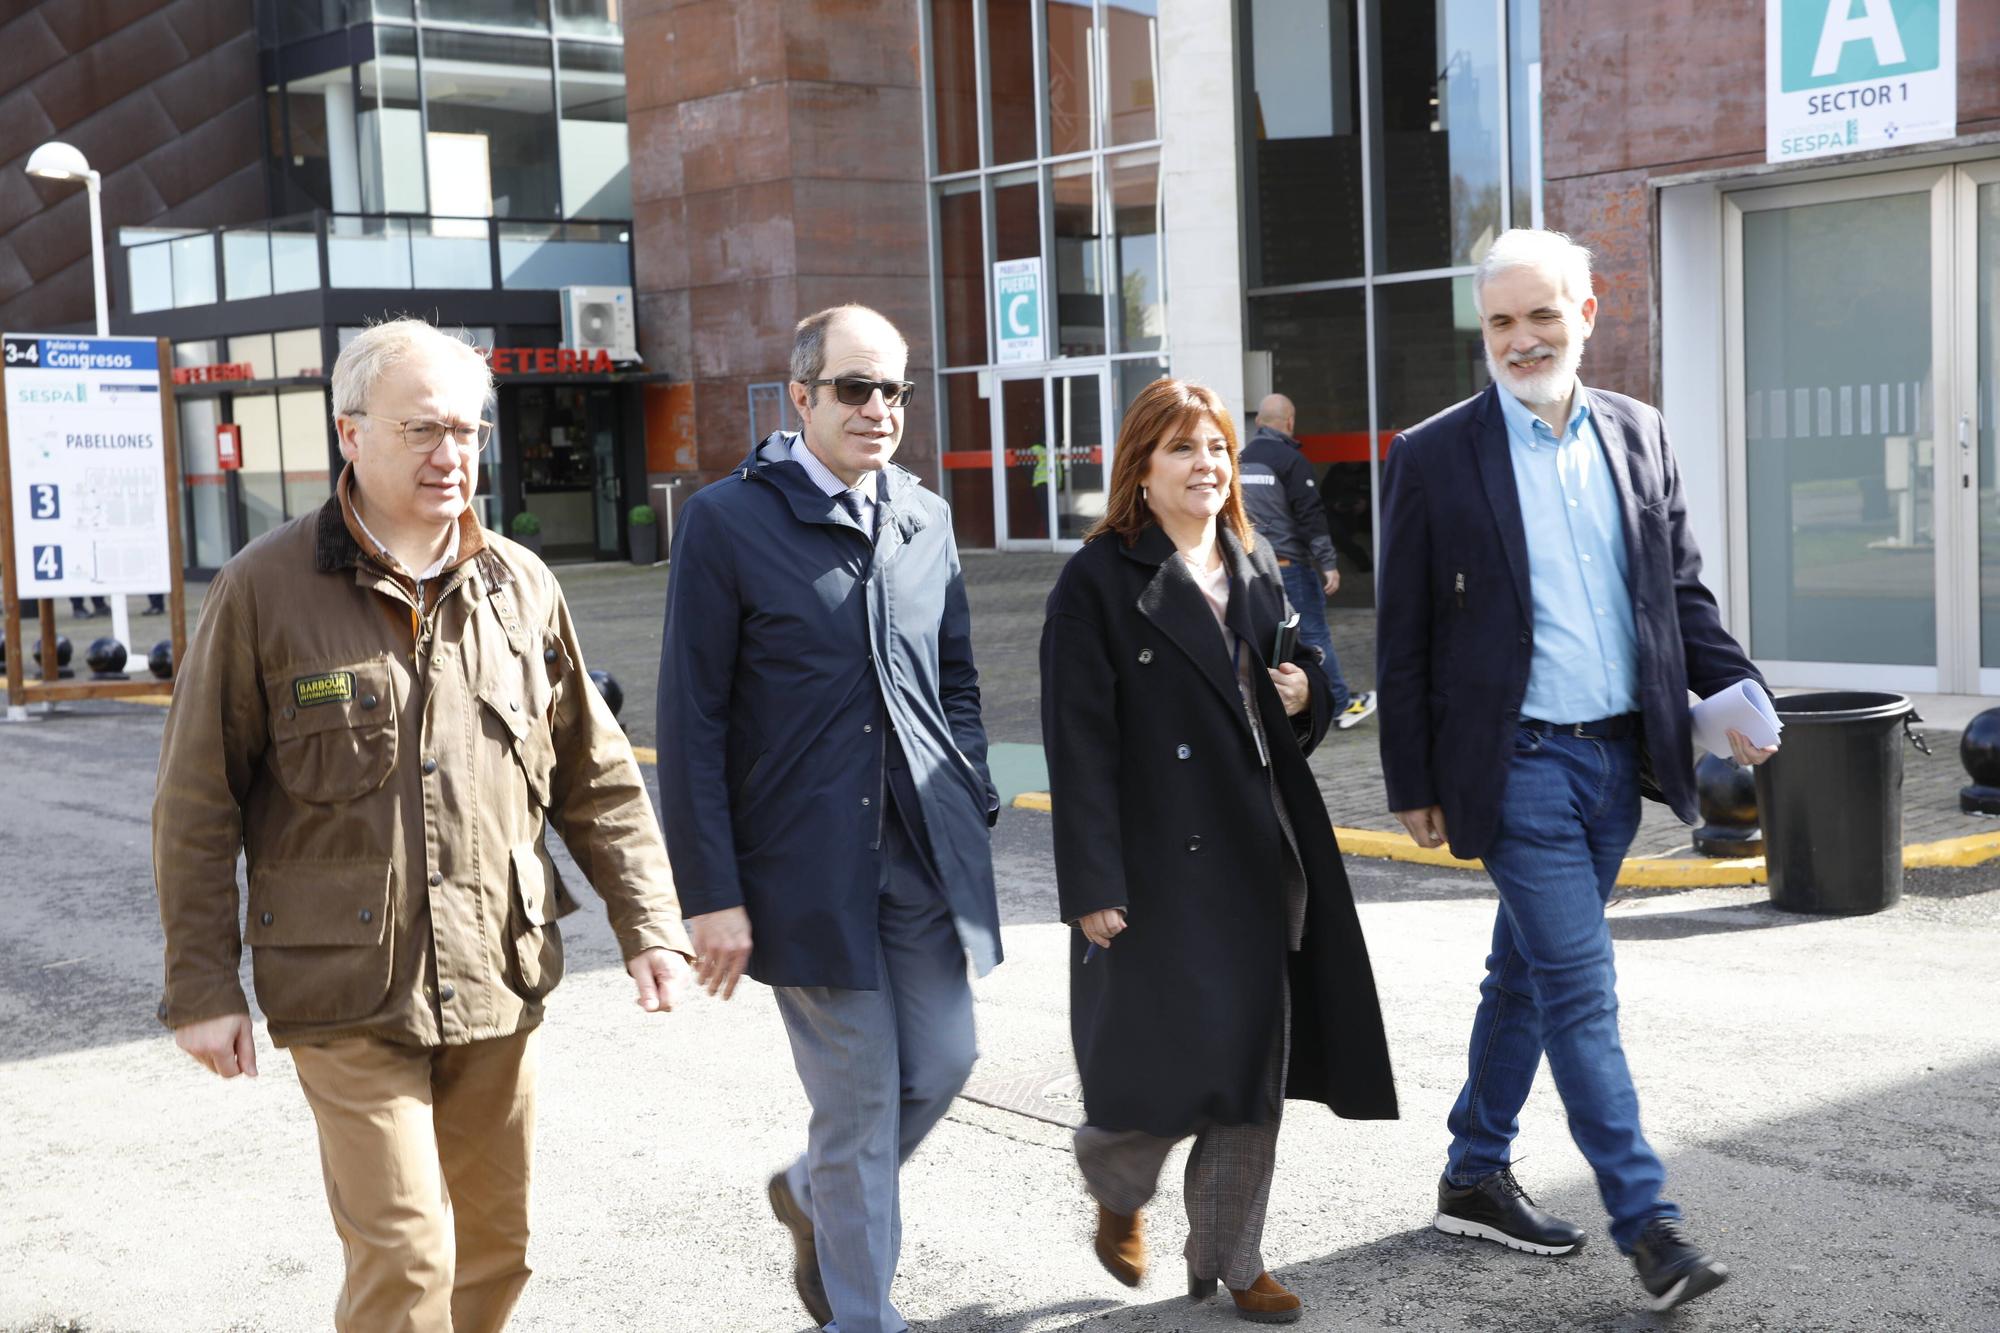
x: 1545, y: 388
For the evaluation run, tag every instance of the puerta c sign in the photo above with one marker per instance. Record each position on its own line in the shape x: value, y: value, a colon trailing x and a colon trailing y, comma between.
x: 86, y: 451
x: 1848, y: 76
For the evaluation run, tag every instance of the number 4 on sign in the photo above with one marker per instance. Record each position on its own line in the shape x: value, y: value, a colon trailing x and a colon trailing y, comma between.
x: 48, y: 563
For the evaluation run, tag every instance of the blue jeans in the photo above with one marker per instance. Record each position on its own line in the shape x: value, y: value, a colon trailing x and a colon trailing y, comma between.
x: 880, y: 1068
x: 1570, y: 812
x: 1308, y: 597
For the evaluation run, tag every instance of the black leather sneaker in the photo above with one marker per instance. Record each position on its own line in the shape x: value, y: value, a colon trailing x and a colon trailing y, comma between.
x: 1672, y: 1268
x: 1496, y: 1208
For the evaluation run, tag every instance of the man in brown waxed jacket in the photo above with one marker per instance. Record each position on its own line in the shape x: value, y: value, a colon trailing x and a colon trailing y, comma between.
x: 384, y: 748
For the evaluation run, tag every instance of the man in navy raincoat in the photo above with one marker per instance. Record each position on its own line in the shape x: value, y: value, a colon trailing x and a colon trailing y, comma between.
x: 824, y: 789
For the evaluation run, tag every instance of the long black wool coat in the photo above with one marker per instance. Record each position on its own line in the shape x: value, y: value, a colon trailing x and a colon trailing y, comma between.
x: 1162, y: 807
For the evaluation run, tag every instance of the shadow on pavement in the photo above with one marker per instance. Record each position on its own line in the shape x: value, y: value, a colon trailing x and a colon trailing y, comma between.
x: 1858, y: 1214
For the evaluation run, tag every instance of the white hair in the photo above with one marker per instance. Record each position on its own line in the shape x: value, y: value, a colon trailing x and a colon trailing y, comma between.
x: 1550, y: 252
x: 380, y: 348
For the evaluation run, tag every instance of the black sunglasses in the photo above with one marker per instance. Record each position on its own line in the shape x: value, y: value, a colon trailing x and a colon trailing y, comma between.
x: 853, y: 391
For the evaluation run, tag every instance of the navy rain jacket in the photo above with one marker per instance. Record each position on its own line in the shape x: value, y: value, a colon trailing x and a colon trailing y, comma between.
x: 790, y: 642
x: 1283, y: 502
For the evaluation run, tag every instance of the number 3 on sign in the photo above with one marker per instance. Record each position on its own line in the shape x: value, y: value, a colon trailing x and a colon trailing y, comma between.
x: 44, y: 501
x: 48, y: 563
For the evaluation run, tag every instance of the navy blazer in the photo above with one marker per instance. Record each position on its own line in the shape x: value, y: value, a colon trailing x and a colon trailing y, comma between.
x: 791, y: 646
x: 1455, y: 620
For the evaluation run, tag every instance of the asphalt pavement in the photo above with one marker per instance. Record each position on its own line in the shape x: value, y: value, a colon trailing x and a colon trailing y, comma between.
x: 1825, y: 1091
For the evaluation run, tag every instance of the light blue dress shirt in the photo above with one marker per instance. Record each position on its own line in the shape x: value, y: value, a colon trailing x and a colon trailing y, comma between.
x: 1586, y: 659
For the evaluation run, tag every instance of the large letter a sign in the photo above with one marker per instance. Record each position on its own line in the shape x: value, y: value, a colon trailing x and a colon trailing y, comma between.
x: 1846, y: 76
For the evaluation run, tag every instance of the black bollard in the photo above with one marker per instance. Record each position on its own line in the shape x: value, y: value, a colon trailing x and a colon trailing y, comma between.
x: 105, y: 657
x: 161, y: 660
x: 1726, y: 793
x: 63, y: 650
x: 607, y: 685
x: 1979, y: 751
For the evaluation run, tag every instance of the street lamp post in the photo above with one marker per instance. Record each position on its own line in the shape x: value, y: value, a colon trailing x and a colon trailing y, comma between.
x: 58, y: 161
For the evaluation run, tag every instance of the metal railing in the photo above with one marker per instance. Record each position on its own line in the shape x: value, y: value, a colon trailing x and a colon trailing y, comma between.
x: 311, y: 251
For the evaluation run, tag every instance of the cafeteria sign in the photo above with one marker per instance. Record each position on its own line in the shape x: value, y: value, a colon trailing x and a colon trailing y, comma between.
x: 1848, y: 76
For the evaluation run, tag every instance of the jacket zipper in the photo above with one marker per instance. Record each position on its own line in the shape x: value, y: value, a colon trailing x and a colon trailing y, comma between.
x: 1459, y: 588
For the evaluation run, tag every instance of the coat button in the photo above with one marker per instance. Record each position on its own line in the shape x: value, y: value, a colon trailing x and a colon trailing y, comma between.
x: 1194, y: 843
x: 1145, y: 656
x: 436, y: 879
x: 1524, y: 636
x: 445, y: 992
x: 548, y: 655
x: 265, y: 919
x: 369, y: 701
x: 366, y: 916
x: 513, y: 706
x: 865, y: 801
x: 290, y: 712
x: 867, y: 728
x: 1182, y: 752
x: 430, y: 766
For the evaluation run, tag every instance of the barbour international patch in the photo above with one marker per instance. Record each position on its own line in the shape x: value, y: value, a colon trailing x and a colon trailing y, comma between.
x: 335, y: 687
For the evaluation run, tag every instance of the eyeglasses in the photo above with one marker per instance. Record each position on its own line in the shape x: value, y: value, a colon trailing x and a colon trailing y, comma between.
x: 853, y: 391
x: 422, y: 435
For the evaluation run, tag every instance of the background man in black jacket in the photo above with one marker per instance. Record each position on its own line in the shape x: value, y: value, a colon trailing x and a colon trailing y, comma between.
x: 1541, y: 618
x: 1283, y: 503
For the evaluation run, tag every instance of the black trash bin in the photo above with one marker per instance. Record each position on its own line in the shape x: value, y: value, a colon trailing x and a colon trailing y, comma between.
x: 1832, y: 802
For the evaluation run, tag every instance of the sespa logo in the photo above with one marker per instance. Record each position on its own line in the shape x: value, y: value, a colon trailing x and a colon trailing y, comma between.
x: 53, y: 393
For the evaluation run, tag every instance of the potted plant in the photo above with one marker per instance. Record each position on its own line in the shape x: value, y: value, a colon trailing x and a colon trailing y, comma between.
x: 527, y: 530
x: 642, y: 527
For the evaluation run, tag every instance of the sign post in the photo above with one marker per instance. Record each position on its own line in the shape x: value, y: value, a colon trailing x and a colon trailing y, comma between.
x: 1017, y: 310
x: 88, y: 462
x: 1848, y: 76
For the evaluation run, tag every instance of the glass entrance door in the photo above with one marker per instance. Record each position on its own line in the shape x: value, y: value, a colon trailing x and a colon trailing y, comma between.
x: 1976, y: 432
x: 1052, y: 455
x: 1841, y: 376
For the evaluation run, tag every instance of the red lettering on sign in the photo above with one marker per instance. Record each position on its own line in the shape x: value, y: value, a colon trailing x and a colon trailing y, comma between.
x: 233, y: 370
x: 545, y: 360
x: 548, y: 361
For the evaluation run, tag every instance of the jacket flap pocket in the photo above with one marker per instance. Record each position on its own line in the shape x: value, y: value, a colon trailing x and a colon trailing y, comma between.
x: 296, y: 903
x: 307, y: 703
x: 509, y: 707
x: 535, y: 882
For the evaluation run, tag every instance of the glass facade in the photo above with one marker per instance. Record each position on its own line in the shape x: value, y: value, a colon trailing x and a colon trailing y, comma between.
x: 466, y: 108
x: 1385, y: 147
x: 1045, y: 146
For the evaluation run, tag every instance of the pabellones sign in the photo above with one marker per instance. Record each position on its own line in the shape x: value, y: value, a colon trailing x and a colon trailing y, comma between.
x: 1847, y: 76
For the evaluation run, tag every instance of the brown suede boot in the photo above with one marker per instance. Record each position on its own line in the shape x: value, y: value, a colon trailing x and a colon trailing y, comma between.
x: 1267, y: 1303
x: 1121, y: 1245
x: 805, y: 1251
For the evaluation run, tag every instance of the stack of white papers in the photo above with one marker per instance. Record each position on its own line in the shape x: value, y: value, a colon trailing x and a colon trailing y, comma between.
x: 1742, y: 707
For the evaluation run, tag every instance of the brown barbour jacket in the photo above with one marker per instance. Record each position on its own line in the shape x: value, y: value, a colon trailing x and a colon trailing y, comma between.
x: 387, y: 777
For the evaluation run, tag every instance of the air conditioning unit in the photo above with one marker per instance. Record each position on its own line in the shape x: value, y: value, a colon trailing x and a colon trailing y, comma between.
x: 600, y: 319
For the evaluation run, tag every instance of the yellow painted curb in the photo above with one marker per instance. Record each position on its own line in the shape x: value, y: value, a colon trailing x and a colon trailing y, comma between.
x: 1638, y: 872
x: 645, y: 754
x: 1974, y: 850
x: 158, y: 700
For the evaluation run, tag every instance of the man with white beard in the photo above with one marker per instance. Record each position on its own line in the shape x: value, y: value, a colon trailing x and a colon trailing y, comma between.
x: 1540, y: 619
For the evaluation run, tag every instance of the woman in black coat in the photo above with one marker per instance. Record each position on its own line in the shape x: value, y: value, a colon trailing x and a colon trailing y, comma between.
x: 1219, y: 966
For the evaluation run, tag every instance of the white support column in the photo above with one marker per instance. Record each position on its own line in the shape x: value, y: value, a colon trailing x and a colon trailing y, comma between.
x: 1202, y: 189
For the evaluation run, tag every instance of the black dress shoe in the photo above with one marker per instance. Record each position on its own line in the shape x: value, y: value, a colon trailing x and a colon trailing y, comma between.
x: 1496, y: 1208
x: 1672, y: 1268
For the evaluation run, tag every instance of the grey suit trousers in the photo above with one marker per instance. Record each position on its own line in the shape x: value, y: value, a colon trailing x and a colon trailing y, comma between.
x: 880, y: 1068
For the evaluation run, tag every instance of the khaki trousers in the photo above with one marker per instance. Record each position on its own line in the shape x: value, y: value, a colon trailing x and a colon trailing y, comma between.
x: 426, y: 1153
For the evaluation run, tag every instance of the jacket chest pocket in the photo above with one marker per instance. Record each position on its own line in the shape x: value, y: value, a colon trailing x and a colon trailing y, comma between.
x: 518, y: 696
x: 333, y: 733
